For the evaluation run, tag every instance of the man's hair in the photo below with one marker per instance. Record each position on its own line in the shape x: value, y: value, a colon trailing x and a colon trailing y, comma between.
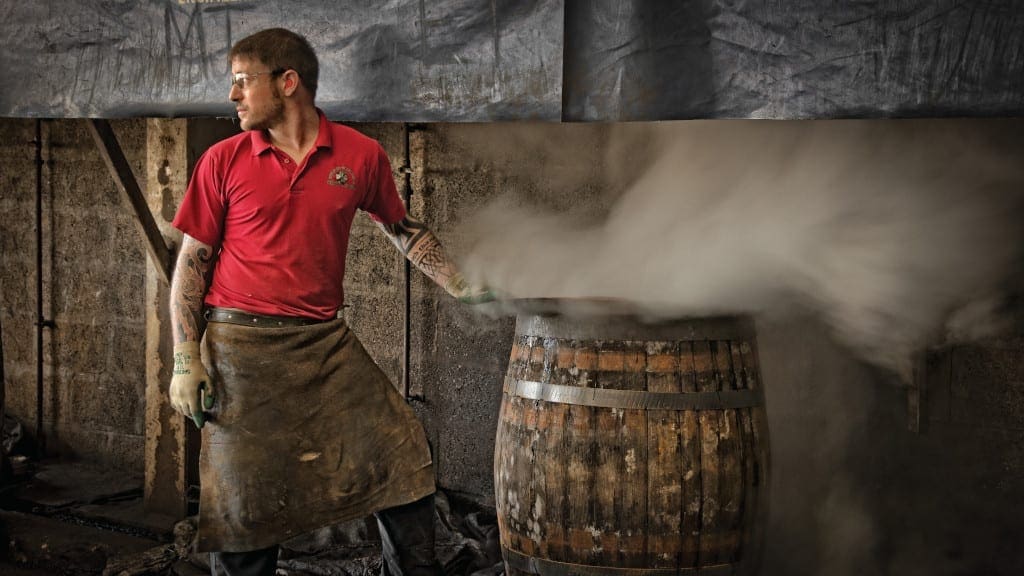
x: 280, y: 49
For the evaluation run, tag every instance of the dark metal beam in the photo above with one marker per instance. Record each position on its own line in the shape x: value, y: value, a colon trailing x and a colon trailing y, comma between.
x: 917, y: 395
x: 125, y: 179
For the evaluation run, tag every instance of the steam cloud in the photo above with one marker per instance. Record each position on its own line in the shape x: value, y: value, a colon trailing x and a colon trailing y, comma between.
x: 897, y: 233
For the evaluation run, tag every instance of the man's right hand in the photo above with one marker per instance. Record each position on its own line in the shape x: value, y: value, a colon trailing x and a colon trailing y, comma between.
x: 191, y: 388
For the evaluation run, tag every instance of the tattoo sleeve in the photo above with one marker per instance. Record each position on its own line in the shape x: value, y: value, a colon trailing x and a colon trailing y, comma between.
x: 192, y: 274
x: 422, y: 248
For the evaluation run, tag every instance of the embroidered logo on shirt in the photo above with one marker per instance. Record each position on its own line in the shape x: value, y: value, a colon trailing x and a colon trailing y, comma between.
x: 341, y: 176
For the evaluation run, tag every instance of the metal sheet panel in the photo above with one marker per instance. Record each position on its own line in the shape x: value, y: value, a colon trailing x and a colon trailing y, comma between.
x: 403, y: 60
x: 641, y: 60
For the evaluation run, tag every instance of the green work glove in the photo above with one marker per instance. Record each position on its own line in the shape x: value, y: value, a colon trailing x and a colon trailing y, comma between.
x: 467, y: 293
x: 191, y: 388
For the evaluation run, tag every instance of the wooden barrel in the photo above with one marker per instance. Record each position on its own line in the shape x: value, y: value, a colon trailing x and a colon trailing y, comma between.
x: 630, y: 448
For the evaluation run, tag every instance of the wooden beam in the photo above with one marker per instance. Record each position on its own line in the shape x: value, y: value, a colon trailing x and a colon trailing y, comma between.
x: 169, y: 444
x: 125, y: 179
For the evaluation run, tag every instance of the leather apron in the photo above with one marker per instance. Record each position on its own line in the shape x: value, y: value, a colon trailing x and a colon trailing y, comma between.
x: 306, y: 432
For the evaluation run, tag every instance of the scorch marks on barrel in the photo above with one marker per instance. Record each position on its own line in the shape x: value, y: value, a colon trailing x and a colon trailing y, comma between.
x: 709, y: 422
x: 666, y: 464
x: 690, y: 461
x: 622, y: 489
x: 755, y: 426
x: 629, y: 487
x: 731, y: 459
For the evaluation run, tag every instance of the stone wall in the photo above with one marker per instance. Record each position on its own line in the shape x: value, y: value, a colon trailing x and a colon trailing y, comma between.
x: 93, y: 269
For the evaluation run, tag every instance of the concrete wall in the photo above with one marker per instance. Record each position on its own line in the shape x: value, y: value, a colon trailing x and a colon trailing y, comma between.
x: 93, y: 269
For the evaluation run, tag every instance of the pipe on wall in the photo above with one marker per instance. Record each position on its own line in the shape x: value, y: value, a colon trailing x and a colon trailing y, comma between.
x: 4, y: 466
x: 406, y: 267
x: 407, y: 192
x: 3, y: 378
x: 41, y: 321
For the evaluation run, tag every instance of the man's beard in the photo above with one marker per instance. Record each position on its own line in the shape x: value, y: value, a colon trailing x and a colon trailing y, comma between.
x: 270, y: 116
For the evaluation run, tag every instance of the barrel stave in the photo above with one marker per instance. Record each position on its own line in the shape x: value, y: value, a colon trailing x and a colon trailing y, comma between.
x: 664, y: 462
x: 623, y: 450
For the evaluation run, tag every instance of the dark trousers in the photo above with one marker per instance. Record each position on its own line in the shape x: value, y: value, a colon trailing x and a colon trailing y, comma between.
x: 407, y: 538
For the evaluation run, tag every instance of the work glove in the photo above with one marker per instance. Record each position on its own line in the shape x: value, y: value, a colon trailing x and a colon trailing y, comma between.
x: 191, y: 388
x: 467, y: 293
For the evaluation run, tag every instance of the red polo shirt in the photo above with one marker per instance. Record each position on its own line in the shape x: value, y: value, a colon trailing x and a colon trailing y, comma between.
x: 283, y: 229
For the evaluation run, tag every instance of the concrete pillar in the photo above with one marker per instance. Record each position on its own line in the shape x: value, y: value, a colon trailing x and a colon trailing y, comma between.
x: 166, y: 483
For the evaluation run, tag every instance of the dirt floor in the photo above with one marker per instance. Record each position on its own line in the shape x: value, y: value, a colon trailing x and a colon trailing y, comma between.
x: 69, y: 518
x: 75, y: 519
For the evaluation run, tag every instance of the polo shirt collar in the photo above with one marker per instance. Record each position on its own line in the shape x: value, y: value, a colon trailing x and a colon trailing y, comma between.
x: 261, y: 140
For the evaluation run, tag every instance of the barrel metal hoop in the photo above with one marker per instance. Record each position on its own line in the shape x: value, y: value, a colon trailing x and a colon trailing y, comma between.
x: 544, y: 567
x: 632, y: 328
x: 634, y: 399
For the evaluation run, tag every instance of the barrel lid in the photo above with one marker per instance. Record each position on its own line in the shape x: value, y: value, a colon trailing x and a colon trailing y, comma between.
x: 608, y: 318
x: 572, y: 306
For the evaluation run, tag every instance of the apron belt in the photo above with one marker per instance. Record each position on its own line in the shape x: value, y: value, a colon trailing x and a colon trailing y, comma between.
x: 242, y: 318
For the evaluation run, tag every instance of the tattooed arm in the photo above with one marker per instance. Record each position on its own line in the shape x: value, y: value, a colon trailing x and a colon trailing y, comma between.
x: 191, y: 389
x: 417, y: 243
x: 192, y: 274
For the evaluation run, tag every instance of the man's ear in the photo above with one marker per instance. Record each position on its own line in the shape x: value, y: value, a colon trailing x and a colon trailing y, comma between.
x: 291, y: 82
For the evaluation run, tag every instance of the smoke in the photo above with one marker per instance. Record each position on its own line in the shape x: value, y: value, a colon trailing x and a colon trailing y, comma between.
x: 856, y: 243
x: 897, y: 233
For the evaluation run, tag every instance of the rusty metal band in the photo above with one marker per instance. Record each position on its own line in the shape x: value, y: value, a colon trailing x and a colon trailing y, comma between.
x: 544, y: 567
x: 631, y: 327
x: 633, y: 399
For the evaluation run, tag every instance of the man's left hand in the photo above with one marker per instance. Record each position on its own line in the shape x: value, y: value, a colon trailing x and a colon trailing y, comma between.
x: 468, y: 293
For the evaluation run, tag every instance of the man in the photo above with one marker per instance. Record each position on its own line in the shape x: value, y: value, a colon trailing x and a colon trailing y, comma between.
x: 304, y: 429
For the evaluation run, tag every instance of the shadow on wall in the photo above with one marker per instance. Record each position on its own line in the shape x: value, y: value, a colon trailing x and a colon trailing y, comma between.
x: 854, y: 492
